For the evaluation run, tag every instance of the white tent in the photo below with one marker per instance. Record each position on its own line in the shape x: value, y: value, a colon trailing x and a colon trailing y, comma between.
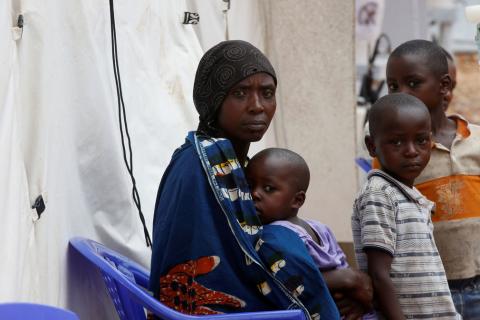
x: 60, y: 135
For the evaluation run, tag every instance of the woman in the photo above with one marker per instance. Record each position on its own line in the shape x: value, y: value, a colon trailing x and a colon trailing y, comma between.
x: 210, y: 251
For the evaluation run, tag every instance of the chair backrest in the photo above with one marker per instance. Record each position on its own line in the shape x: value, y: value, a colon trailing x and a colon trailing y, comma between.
x: 126, y: 281
x: 22, y: 311
x: 364, y: 164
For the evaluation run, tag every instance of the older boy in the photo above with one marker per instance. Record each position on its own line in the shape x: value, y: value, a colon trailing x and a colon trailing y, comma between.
x: 452, y: 177
x: 391, y: 222
x: 279, y: 180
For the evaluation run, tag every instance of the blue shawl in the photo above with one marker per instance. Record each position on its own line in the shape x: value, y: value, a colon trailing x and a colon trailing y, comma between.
x: 210, y: 252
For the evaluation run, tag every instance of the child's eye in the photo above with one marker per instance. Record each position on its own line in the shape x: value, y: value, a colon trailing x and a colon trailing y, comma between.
x: 412, y: 83
x: 268, y: 188
x: 392, y: 87
x: 396, y: 142
x: 423, y: 141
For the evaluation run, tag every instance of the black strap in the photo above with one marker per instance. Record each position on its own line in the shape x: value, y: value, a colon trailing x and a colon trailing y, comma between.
x: 122, y: 120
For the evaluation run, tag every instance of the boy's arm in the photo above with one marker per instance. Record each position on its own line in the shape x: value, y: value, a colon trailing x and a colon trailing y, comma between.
x: 379, y: 264
x: 340, y: 279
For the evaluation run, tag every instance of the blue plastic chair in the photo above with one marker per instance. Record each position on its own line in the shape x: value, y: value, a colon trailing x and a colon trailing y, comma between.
x: 364, y: 164
x: 32, y: 311
x: 126, y: 281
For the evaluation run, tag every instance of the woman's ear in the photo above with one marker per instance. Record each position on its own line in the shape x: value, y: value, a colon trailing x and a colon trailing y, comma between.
x: 298, y: 199
x: 370, y: 146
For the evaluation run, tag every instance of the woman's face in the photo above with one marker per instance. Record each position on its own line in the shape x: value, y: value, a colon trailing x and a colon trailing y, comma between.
x: 248, y: 109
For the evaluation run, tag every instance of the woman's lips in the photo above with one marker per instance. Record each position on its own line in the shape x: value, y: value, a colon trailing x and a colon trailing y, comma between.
x: 255, y: 125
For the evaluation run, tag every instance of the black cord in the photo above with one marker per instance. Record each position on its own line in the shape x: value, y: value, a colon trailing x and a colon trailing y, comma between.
x: 122, y: 120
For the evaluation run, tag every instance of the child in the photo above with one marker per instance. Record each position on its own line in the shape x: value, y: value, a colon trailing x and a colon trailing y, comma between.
x: 391, y: 223
x: 279, y: 180
x: 451, y: 178
x: 452, y: 72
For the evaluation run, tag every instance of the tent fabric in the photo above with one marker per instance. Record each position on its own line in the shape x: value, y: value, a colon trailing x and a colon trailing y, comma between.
x: 60, y: 135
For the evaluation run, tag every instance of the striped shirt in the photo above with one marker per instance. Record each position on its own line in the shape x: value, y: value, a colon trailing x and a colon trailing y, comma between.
x: 451, y: 179
x: 392, y: 217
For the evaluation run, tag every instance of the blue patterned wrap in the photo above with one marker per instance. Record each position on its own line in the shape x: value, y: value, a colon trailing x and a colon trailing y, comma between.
x: 210, y: 252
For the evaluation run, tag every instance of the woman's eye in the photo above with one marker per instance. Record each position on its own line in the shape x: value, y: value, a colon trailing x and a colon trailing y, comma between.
x: 269, y: 93
x: 239, y: 93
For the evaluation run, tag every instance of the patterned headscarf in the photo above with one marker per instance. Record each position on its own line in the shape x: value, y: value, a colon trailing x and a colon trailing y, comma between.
x: 220, y: 68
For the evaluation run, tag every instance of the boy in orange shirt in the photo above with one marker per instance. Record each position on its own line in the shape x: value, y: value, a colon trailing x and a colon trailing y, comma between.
x: 452, y: 177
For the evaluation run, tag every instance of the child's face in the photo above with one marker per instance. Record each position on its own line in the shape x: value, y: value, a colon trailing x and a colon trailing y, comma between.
x: 402, y: 143
x: 272, y: 188
x: 410, y: 74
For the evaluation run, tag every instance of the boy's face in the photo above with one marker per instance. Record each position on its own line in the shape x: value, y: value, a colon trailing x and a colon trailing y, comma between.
x: 402, y: 143
x: 273, y: 189
x: 410, y: 74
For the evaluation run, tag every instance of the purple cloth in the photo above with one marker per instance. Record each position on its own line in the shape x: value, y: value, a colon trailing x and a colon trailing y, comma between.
x: 328, y: 255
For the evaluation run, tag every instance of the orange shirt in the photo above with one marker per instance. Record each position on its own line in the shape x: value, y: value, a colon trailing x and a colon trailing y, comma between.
x: 452, y: 177
x: 452, y: 180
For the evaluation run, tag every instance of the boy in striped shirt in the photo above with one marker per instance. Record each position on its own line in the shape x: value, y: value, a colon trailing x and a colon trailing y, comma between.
x: 391, y: 223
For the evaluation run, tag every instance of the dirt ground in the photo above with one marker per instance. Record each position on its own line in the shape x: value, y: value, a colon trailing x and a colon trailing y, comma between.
x: 466, y: 97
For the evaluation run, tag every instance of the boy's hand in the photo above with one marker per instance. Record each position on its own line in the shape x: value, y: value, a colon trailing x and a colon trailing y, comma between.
x: 354, y: 284
x: 348, y: 308
x: 363, y: 291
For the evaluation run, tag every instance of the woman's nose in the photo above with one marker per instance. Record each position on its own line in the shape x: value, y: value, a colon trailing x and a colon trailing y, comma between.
x: 255, y: 104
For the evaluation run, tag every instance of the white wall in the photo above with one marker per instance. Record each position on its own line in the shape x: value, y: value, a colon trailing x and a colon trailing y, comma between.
x: 312, y: 47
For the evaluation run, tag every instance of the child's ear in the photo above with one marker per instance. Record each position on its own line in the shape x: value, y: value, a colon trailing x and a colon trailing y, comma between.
x: 298, y: 199
x: 370, y: 146
x: 445, y: 85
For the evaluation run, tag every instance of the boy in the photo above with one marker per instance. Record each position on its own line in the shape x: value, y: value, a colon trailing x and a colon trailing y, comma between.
x: 452, y: 177
x: 279, y: 180
x: 391, y: 223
